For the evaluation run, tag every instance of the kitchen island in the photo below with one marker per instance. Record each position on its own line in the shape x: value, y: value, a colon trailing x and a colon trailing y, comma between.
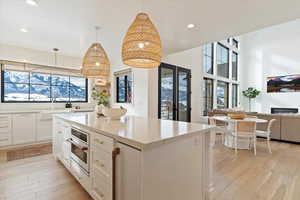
x: 134, y: 158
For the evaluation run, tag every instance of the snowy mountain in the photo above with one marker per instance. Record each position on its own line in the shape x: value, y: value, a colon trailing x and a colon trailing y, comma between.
x: 42, y: 87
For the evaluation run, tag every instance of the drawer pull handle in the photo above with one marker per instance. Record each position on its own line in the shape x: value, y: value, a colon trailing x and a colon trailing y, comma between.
x: 6, y: 126
x: 2, y: 140
x: 115, y: 153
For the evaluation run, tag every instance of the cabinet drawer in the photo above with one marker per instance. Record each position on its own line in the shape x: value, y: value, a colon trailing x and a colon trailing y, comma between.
x: 80, y: 175
x: 5, y: 139
x: 101, y: 190
x: 103, y: 142
x: 102, y: 163
x: 4, y: 118
x: 5, y: 131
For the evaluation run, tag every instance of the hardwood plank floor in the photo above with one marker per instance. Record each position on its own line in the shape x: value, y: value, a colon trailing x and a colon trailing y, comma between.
x: 266, y: 176
x: 237, y: 177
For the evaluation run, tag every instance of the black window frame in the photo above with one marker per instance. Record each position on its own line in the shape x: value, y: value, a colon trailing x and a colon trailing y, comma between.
x: 217, y: 65
x: 50, y: 85
x: 234, y: 98
x: 212, y: 58
x: 235, y: 43
x: 126, y: 87
x: 206, y: 109
x: 227, y: 95
x: 237, y: 66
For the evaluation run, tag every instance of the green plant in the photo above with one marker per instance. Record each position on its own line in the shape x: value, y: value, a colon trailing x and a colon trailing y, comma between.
x: 251, y: 93
x: 102, y: 97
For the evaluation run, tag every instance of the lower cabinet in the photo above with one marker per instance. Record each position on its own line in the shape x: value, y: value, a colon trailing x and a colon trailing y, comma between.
x: 43, y: 127
x: 102, y: 182
x: 23, y: 128
x: 5, y: 130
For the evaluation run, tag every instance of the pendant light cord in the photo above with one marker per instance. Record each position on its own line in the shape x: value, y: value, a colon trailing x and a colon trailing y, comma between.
x: 97, y: 28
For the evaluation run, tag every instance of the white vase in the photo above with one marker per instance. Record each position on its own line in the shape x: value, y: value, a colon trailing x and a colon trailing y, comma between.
x: 99, y: 109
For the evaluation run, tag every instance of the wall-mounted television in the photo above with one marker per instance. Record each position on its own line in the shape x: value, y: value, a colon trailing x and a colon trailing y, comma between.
x: 289, y: 83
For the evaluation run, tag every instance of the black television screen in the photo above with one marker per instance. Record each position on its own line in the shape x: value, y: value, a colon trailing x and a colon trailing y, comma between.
x: 289, y: 83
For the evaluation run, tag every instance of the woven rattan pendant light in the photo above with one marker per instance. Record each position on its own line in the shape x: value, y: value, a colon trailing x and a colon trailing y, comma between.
x: 95, y: 62
x: 142, y: 45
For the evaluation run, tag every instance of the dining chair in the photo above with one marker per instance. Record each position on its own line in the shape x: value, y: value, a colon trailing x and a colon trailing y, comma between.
x: 244, y: 129
x: 220, y: 124
x: 267, y: 134
x: 220, y: 128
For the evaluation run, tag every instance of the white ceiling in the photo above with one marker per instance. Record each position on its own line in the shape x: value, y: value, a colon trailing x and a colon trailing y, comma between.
x: 68, y: 24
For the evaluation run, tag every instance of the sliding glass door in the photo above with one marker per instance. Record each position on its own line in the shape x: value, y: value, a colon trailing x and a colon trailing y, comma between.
x: 174, y: 93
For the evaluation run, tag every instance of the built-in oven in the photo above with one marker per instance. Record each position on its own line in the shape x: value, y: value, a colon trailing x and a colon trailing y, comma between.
x: 80, y: 149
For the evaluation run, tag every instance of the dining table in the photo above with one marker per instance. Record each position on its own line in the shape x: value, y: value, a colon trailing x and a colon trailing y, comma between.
x: 243, y: 143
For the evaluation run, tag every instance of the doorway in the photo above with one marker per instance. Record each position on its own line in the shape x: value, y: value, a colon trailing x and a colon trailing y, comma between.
x: 174, y: 93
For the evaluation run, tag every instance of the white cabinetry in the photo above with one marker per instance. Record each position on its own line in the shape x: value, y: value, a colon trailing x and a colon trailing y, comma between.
x: 24, y: 128
x: 44, y: 127
x: 5, y: 130
x: 102, y: 167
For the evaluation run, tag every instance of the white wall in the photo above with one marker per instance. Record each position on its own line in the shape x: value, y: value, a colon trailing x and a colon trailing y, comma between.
x: 140, y: 104
x: 19, y: 54
x: 272, y: 51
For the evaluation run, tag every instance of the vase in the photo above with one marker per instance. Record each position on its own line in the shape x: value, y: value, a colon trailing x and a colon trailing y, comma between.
x: 99, y: 109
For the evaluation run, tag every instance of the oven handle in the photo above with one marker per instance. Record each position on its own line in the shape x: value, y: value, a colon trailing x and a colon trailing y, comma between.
x: 115, y: 153
x: 83, y: 148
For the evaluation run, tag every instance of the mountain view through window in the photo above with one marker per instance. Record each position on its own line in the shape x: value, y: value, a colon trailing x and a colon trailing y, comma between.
x: 18, y: 86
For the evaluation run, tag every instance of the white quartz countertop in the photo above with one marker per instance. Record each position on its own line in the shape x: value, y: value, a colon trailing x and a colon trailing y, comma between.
x: 45, y: 111
x: 135, y: 131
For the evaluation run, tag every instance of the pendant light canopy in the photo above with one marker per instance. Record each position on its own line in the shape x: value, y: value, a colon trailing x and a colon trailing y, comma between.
x: 142, y: 45
x: 95, y: 62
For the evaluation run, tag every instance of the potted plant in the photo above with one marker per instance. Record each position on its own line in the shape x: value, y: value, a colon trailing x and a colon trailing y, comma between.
x: 102, y: 98
x: 251, y: 93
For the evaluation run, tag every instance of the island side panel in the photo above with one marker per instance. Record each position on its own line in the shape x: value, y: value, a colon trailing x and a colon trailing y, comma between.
x: 175, y: 170
x: 128, y: 173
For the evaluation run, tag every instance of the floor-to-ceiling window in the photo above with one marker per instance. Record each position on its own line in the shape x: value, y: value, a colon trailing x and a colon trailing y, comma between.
x: 222, y: 94
x: 234, y: 65
x: 208, y: 59
x: 208, y: 95
x: 222, y: 60
x: 234, y: 95
x: 220, y: 69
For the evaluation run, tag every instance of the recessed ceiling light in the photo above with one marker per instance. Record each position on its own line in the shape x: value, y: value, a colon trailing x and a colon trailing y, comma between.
x: 24, y: 30
x: 191, y: 25
x: 32, y: 2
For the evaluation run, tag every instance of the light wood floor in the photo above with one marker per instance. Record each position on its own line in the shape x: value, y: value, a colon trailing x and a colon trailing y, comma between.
x: 237, y: 177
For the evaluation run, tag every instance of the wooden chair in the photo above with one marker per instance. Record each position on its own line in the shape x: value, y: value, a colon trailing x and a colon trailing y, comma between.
x: 219, y: 123
x: 267, y: 134
x: 244, y: 129
x: 220, y: 128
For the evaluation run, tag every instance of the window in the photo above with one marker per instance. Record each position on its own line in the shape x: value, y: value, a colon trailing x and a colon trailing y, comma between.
x: 222, y: 94
x: 234, y: 95
x: 208, y: 51
x: 124, y: 88
x: 208, y: 95
x: 234, y: 66
x: 18, y: 86
x: 223, y: 60
x: 235, y: 43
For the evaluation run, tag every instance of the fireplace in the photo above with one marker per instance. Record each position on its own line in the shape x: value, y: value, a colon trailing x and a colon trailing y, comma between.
x: 284, y: 110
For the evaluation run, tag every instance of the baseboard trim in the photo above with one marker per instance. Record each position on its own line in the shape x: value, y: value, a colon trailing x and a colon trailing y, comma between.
x: 11, y: 147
